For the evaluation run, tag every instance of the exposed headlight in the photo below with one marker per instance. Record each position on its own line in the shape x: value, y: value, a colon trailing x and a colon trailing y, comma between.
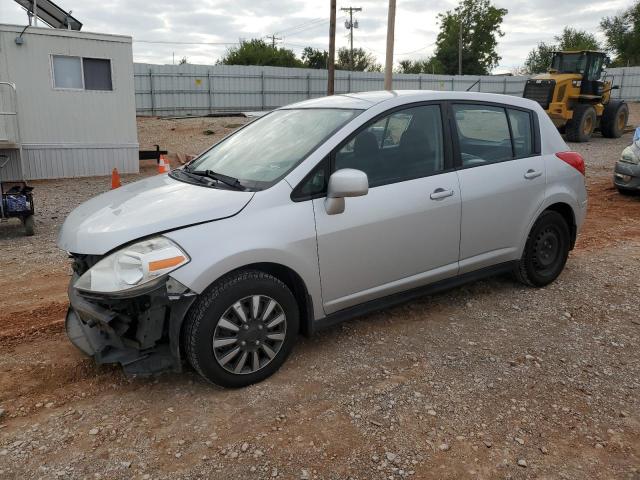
x: 133, y: 266
x: 630, y: 155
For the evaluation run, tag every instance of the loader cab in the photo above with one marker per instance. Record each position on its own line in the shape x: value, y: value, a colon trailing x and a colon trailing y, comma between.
x: 586, y: 63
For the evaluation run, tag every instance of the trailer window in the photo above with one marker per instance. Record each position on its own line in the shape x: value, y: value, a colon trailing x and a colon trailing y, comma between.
x: 78, y: 73
x: 97, y: 74
x: 67, y: 72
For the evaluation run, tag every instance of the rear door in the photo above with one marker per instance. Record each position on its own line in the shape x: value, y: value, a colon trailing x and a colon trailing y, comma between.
x: 502, y: 180
x: 405, y: 232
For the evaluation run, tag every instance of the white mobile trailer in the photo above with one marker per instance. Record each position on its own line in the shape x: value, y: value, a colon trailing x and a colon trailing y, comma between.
x: 72, y: 113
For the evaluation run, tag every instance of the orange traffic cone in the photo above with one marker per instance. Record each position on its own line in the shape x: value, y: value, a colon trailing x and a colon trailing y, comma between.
x: 163, y: 165
x: 115, y: 179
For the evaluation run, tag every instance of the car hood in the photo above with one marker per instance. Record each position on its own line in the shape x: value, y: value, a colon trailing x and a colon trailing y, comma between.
x: 139, y: 209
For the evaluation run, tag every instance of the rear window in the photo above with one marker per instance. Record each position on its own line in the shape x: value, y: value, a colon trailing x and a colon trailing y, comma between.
x: 522, y: 131
x: 490, y: 134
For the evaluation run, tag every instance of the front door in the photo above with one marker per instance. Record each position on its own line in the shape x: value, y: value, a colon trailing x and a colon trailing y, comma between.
x: 405, y: 232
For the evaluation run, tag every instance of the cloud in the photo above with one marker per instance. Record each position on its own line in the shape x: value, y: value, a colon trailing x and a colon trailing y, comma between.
x: 305, y: 22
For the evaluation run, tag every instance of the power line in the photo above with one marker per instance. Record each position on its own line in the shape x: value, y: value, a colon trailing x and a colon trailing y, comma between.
x: 169, y: 42
x: 302, y: 26
x: 304, y: 30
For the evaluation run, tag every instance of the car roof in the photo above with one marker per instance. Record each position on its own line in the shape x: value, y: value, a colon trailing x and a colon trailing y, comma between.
x: 366, y: 100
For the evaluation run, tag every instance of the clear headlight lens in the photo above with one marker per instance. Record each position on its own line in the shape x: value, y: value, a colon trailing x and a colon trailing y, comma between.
x: 133, y: 266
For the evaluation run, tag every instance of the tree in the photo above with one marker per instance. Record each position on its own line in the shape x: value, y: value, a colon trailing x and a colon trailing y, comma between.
x: 573, y: 39
x: 539, y: 59
x: 257, y: 52
x: 480, y: 22
x: 183, y: 61
x: 430, y: 65
x: 362, y: 61
x: 622, y: 33
x: 314, y: 58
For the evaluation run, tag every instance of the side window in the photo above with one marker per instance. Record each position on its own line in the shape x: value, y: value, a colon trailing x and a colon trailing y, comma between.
x: 403, y: 145
x: 522, y: 132
x: 81, y: 73
x: 483, y: 134
x: 97, y: 74
x: 67, y: 72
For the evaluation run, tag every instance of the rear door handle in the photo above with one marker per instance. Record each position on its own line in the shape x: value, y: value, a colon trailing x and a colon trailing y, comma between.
x: 531, y: 174
x: 439, y: 193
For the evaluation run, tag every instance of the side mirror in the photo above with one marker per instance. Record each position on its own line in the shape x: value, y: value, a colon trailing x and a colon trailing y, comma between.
x: 343, y: 183
x: 615, y: 87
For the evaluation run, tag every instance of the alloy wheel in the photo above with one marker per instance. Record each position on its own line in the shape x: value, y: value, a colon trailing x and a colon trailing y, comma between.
x: 249, y: 334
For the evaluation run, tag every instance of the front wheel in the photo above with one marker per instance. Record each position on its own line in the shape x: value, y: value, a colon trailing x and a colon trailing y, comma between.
x: 241, y: 329
x: 581, y: 126
x: 29, y: 225
x: 546, y: 251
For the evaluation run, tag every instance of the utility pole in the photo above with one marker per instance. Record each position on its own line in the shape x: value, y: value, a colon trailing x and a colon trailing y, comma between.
x: 460, y: 45
x: 388, y: 66
x: 350, y: 26
x: 274, y: 39
x: 331, y: 62
x: 35, y: 13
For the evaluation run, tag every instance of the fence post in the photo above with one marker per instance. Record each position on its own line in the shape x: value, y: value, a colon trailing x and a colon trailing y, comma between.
x: 151, y: 93
x: 308, y: 85
x: 262, y: 90
x: 504, y: 88
x: 479, y: 84
x: 452, y: 84
x: 419, y: 82
x: 621, y: 84
x: 349, y: 83
x: 210, y: 92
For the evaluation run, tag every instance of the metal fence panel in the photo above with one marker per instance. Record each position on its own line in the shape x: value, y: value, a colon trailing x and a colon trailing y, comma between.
x: 166, y: 90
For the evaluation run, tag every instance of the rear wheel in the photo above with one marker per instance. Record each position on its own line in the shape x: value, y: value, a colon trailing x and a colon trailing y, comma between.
x: 546, y: 251
x: 614, y: 119
x: 242, y: 329
x: 581, y: 126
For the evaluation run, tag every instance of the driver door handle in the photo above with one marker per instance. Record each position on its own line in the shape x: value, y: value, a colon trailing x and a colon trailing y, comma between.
x: 531, y: 174
x: 439, y: 193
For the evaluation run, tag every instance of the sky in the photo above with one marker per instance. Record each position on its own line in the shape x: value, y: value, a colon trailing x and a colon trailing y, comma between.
x: 211, y: 26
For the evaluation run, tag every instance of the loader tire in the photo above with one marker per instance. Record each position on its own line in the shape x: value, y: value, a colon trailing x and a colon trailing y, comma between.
x: 614, y: 119
x: 581, y: 126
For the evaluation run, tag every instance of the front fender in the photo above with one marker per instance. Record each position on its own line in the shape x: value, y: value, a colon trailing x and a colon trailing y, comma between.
x: 264, y: 232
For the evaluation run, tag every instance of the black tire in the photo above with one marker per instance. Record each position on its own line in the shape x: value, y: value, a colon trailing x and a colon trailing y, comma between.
x: 614, y: 119
x: 581, y: 126
x: 29, y: 225
x: 627, y: 192
x: 203, y: 321
x: 546, y: 251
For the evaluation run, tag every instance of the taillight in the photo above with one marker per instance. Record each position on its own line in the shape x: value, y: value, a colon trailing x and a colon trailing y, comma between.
x: 572, y: 158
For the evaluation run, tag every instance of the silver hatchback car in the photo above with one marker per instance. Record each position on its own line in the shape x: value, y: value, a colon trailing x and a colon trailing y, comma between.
x: 315, y: 213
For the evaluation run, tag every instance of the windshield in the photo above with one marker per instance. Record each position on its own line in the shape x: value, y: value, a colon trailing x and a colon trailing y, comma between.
x: 269, y: 147
x: 569, y: 62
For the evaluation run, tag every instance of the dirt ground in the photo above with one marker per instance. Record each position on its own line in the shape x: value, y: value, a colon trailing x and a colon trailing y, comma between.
x: 490, y: 380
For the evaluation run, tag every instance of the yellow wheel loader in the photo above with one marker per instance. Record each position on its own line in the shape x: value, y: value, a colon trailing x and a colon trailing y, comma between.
x: 576, y: 98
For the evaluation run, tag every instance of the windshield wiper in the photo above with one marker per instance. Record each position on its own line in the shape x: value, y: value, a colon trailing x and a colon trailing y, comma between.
x: 219, y: 177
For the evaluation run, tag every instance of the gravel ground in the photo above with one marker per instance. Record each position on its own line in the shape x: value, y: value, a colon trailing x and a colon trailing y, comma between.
x: 490, y: 380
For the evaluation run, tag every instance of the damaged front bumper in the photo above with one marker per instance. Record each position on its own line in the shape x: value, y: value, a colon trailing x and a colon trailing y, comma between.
x: 626, y: 176
x: 141, y: 332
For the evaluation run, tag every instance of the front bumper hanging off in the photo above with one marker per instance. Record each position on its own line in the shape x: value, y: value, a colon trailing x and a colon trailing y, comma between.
x: 141, y: 333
